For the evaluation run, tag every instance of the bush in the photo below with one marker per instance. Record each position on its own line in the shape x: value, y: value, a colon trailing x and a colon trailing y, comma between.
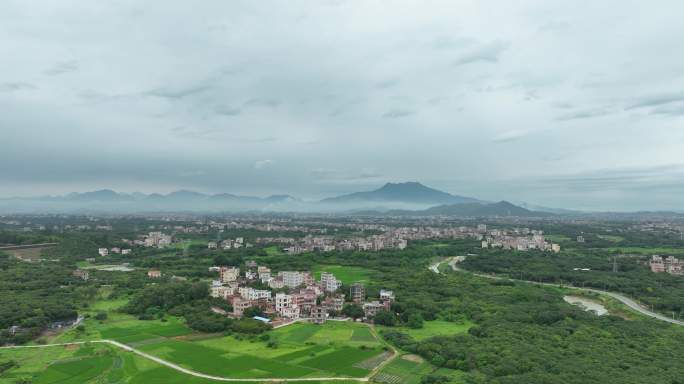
x: 101, y: 316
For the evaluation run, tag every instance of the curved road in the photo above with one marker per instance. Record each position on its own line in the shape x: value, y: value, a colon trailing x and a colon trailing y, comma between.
x: 617, y: 296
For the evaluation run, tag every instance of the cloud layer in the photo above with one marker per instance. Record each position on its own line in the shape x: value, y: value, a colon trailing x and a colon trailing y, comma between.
x: 516, y: 100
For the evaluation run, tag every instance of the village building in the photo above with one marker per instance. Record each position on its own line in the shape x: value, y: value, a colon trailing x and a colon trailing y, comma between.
x: 154, y: 274
x: 318, y: 315
x: 357, y: 292
x: 229, y: 274
x: 329, y: 283
x: 81, y: 273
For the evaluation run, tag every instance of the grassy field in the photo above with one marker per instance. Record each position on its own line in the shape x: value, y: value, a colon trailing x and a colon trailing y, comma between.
x: 612, y: 238
x: 120, y: 326
x: 93, y: 363
x: 303, y: 350
x: 344, y: 273
x: 433, y: 328
x: 557, y: 238
x: 273, y: 251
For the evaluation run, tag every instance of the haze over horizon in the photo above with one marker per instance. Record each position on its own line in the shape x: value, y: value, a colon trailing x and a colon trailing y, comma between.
x: 530, y: 101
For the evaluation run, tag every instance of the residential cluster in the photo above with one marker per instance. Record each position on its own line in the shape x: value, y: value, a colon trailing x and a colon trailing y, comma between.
x: 238, y: 242
x: 331, y: 243
x: 670, y: 264
x: 519, y: 240
x: 153, y: 239
x: 105, y: 252
x: 290, y: 295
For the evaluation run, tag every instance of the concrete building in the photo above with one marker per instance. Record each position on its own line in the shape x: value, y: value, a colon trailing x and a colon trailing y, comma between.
x: 357, y: 292
x: 82, y: 274
x: 229, y: 274
x: 372, y: 308
x: 318, y: 315
x: 329, y: 283
x: 103, y: 251
x: 292, y: 279
x: 386, y: 294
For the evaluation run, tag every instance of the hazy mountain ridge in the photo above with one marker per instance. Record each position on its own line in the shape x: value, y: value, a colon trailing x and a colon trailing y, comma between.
x: 400, y: 199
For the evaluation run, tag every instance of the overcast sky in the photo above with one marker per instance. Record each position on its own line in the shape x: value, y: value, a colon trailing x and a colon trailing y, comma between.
x: 575, y: 104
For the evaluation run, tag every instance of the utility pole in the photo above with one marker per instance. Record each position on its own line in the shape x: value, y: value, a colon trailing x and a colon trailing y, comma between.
x: 615, y: 267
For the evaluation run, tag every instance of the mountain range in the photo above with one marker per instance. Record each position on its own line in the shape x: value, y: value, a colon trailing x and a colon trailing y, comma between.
x: 409, y: 198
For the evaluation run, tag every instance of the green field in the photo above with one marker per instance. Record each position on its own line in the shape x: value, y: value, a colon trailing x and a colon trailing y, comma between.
x: 303, y: 350
x: 612, y: 238
x: 557, y: 238
x: 336, y: 349
x: 433, y: 328
x: 95, y: 363
x: 344, y: 273
x: 273, y: 251
x: 121, y: 327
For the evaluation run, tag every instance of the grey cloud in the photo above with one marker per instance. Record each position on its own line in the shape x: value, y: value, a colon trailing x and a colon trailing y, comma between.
x: 178, y: 93
x: 488, y: 53
x: 227, y: 110
x: 387, y: 84
x: 657, y: 100
x: 328, y: 96
x: 262, y: 102
x: 16, y: 86
x: 62, y: 68
x: 586, y: 114
x: 509, y: 136
x: 397, y: 114
x: 669, y: 110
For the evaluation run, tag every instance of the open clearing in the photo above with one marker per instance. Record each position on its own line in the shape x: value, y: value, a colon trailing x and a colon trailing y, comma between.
x: 432, y: 328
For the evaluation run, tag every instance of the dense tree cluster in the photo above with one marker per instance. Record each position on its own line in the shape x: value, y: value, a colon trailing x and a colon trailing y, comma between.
x: 33, y: 297
x: 663, y: 291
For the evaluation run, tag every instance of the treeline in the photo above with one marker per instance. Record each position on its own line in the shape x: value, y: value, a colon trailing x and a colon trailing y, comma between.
x: 23, y: 238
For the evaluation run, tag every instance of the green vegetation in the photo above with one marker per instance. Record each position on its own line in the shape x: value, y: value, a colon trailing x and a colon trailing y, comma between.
x: 450, y: 327
x: 662, y: 291
x: 303, y: 350
x: 433, y: 328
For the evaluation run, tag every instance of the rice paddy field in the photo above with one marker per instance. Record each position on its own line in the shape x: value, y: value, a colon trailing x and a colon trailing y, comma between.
x: 302, y: 350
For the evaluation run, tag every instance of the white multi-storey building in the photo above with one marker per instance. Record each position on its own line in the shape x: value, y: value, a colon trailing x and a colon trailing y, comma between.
x: 292, y: 279
x: 248, y: 293
x: 329, y: 283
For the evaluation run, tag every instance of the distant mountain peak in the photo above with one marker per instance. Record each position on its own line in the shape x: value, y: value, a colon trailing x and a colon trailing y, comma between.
x: 410, y: 192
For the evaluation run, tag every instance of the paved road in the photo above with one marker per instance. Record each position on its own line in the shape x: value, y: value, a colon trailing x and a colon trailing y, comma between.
x: 617, y: 296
